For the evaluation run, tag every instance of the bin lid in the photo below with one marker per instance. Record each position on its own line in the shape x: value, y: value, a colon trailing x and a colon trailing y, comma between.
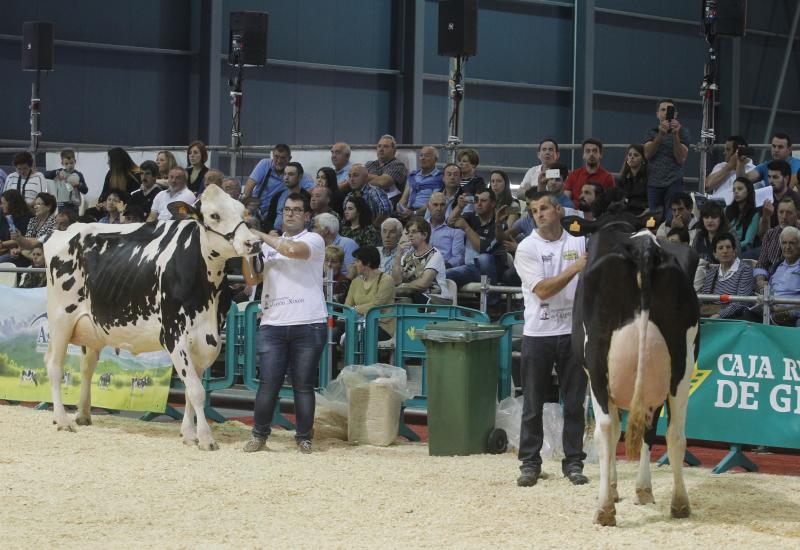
x: 461, y: 331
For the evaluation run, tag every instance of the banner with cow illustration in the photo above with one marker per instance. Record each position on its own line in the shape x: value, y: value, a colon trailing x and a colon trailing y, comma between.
x: 121, y: 381
x: 746, y: 385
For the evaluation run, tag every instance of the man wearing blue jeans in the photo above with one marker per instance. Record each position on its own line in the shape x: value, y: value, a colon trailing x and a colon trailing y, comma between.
x: 666, y: 149
x: 293, y: 329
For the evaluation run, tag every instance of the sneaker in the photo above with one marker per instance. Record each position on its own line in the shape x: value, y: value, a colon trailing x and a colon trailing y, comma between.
x: 254, y: 444
x: 576, y: 477
x: 304, y: 446
x: 528, y: 478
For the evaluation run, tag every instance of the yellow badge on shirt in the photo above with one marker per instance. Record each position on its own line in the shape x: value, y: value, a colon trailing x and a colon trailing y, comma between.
x: 651, y: 222
x: 570, y: 255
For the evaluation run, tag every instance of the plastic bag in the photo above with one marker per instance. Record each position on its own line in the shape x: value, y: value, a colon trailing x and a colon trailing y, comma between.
x: 553, y: 424
x: 509, y: 418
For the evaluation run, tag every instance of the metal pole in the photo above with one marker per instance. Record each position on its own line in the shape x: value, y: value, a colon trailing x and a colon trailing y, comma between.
x: 455, y: 97
x: 766, y: 311
x: 709, y: 92
x: 779, y: 88
x: 484, y: 293
x: 35, y: 112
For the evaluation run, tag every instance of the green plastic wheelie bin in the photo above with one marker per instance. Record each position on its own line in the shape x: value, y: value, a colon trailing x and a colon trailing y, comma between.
x: 462, y: 373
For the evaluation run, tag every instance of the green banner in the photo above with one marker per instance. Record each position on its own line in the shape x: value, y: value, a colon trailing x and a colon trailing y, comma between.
x: 745, y: 386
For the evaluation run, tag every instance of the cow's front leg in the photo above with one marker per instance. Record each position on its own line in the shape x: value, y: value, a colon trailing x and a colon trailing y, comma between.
x: 188, y: 429
x: 606, y: 450
x: 195, y: 402
x: 56, y: 350
x: 88, y: 363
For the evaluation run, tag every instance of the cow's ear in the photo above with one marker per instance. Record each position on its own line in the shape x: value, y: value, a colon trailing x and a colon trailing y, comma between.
x: 182, y: 211
x: 577, y: 226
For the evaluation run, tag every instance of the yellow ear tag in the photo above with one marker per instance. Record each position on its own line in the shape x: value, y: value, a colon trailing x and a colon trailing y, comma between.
x: 574, y: 227
x: 651, y: 222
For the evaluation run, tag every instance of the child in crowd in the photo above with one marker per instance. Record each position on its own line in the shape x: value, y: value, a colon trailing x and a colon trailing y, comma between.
x: 68, y: 183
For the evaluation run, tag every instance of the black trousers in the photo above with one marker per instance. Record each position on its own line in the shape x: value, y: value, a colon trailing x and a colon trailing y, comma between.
x: 539, y: 355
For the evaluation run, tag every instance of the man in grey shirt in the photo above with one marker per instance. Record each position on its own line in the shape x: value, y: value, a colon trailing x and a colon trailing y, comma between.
x: 666, y: 149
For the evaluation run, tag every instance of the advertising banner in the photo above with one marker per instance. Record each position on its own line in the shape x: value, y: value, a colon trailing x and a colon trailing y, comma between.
x: 121, y: 380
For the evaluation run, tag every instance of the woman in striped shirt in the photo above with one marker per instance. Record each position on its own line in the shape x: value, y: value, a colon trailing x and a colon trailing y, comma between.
x: 731, y: 276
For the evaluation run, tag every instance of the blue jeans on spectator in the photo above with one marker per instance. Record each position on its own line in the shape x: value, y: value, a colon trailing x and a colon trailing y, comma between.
x: 295, y: 349
x: 661, y: 197
x: 539, y: 355
x: 484, y: 264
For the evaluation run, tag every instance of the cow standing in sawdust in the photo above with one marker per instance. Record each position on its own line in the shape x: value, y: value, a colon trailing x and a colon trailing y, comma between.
x: 144, y: 287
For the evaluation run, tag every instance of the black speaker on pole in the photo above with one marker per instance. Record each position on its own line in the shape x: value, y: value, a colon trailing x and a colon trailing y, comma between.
x: 723, y: 17
x: 248, y: 38
x: 37, y: 46
x: 458, y: 28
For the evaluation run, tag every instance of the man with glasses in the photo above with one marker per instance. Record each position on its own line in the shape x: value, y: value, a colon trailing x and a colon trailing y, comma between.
x: 266, y: 179
x: 293, y: 324
x: 422, y: 182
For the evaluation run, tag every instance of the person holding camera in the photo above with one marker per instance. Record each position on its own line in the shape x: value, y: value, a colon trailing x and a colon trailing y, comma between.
x: 666, y: 149
x: 719, y: 183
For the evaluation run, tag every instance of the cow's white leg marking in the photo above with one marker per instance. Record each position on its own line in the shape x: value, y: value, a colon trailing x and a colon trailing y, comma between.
x: 616, y: 431
x: 676, y: 436
x: 188, y: 429
x: 56, y: 350
x: 88, y: 364
x: 195, y: 399
x: 644, y: 487
x: 606, y: 450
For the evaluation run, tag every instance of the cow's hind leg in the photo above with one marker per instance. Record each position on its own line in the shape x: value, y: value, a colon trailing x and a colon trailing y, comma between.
x: 676, y: 447
x: 195, y: 401
x: 54, y: 359
x: 616, y: 432
x: 644, y: 486
x: 89, y: 359
x: 606, y: 449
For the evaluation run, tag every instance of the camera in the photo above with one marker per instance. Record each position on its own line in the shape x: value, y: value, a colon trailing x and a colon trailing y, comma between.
x: 745, y: 151
x: 670, y: 113
x: 469, y: 199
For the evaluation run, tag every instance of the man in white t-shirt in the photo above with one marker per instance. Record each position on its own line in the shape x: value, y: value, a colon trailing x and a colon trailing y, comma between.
x: 719, y: 183
x: 548, y: 262
x: 177, y: 191
x: 548, y: 154
x: 293, y: 324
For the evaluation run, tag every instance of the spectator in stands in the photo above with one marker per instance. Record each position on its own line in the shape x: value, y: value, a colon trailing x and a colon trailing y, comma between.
x: 391, y: 231
x: 387, y: 171
x: 713, y: 223
x: 452, y: 190
x: 115, y: 206
x: 471, y: 182
x: 293, y: 176
x: 176, y: 191
x: 166, y: 161
x: 588, y: 202
x: 719, y: 183
x: 681, y: 205
x: 326, y: 177
x: 372, y: 287
x: 519, y: 230
x: 65, y: 218
x: 68, y: 184
x: 3, y: 177
x: 327, y: 226
x: 27, y: 181
x: 779, y: 175
x: 35, y: 280
x: 231, y: 186
x: 633, y: 179
x: 732, y: 276
x: 419, y: 273
x: 215, y: 177
x: 340, y: 160
x: 421, y: 183
x: 666, y: 149
x: 483, y: 255
x: 785, y: 280
x: 771, y: 255
x: 678, y: 235
x: 266, y: 179
x: 15, y: 206
x: 555, y: 185
x: 447, y: 240
x: 133, y: 214
x: 196, y: 158
x: 39, y: 228
x: 534, y: 177
x: 376, y: 198
x: 123, y: 174
x: 334, y: 262
x: 320, y: 204
x: 358, y: 223
x: 252, y: 213
x: 500, y: 184
x: 781, y: 150
x: 590, y: 171
x: 144, y: 196
x: 743, y: 215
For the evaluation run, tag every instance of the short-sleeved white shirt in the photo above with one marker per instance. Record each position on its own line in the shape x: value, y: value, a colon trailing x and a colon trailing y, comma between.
x: 164, y: 198
x: 292, y: 292
x: 531, y: 178
x: 725, y: 189
x: 538, y: 259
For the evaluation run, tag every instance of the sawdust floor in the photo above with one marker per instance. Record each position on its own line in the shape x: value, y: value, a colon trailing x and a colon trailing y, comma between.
x: 123, y: 483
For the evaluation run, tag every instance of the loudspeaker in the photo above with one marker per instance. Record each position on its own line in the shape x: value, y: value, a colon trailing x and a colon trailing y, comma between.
x: 730, y: 20
x: 248, y: 38
x: 458, y: 27
x: 37, y: 46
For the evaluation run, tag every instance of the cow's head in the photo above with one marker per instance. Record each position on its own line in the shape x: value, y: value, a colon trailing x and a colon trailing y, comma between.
x: 223, y: 218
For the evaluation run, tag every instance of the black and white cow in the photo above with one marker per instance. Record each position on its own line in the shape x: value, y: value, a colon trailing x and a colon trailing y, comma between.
x: 67, y: 378
x: 28, y: 375
x: 144, y: 287
x: 105, y: 380
x: 635, y: 330
x: 139, y: 383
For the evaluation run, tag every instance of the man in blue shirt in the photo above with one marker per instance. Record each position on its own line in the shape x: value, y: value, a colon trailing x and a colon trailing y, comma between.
x: 785, y: 281
x: 340, y: 160
x: 376, y: 198
x: 555, y: 185
x: 327, y: 226
x: 266, y: 179
x: 447, y: 240
x: 781, y: 150
x: 421, y: 183
x: 292, y: 175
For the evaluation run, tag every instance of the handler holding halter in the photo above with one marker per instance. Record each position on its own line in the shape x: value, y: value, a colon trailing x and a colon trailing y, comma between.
x: 293, y: 328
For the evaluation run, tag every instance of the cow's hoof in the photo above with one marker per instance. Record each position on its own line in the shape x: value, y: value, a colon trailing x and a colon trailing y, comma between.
x: 607, y: 517
x: 189, y: 441
x: 208, y: 446
x: 644, y: 496
x: 83, y: 420
x: 66, y: 428
x: 680, y: 512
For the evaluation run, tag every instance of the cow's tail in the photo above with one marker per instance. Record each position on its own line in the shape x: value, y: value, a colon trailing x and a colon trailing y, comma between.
x: 638, y: 416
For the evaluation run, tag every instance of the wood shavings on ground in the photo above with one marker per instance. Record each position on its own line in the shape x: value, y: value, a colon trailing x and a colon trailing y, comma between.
x: 123, y: 483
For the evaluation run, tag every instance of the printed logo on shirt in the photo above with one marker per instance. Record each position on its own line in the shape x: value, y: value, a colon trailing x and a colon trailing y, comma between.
x: 544, y: 311
x: 547, y: 258
x: 570, y: 255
